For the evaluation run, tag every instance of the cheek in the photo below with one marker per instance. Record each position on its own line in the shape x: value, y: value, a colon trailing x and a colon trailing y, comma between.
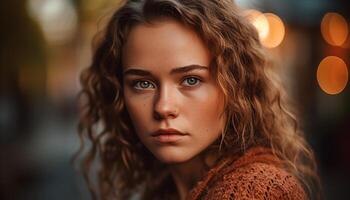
x: 205, y: 110
x: 139, y: 109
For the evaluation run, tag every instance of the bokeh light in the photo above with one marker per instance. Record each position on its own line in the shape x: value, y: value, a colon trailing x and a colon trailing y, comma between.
x: 334, y: 29
x: 259, y: 21
x: 332, y: 75
x: 276, y: 31
x: 57, y: 18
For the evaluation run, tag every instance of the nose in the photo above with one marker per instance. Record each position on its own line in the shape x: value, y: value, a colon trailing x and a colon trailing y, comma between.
x: 166, y: 105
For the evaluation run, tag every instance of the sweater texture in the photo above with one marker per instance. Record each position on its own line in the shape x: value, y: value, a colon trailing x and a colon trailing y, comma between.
x: 258, y: 174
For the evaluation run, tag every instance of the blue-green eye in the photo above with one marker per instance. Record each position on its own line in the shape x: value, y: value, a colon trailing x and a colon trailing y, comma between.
x: 191, y: 81
x: 141, y: 85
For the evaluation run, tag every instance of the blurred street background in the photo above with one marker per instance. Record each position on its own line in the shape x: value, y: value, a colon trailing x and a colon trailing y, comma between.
x: 44, y: 45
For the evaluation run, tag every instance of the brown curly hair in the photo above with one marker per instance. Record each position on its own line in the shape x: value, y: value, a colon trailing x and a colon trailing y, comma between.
x: 256, y: 114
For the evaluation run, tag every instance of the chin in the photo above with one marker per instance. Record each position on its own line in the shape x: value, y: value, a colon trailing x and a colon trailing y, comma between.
x: 171, y: 161
x: 172, y: 157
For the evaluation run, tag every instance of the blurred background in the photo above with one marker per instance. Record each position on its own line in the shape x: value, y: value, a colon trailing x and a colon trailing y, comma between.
x: 44, y: 44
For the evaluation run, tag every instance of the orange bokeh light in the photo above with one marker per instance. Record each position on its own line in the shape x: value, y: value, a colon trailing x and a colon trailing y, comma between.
x: 332, y: 75
x: 259, y: 21
x: 334, y: 29
x: 276, y: 31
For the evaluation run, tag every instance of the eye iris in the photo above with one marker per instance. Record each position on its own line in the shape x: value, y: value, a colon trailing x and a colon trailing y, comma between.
x: 191, y: 81
x: 144, y: 84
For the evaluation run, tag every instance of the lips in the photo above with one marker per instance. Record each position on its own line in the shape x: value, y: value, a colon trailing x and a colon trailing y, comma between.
x: 169, y: 131
x: 168, y: 136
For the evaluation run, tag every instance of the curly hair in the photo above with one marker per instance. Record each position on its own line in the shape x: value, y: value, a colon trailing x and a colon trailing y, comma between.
x: 255, y: 108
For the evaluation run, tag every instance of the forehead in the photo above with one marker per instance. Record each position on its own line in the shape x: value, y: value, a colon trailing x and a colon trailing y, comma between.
x: 164, y: 43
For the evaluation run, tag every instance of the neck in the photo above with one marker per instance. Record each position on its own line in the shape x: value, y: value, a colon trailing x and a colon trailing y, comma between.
x: 187, y: 174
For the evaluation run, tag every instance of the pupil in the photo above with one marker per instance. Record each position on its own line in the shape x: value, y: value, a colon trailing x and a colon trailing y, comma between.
x: 144, y: 84
x: 191, y: 81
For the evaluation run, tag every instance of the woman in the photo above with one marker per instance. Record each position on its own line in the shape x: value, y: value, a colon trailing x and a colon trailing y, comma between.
x: 180, y: 106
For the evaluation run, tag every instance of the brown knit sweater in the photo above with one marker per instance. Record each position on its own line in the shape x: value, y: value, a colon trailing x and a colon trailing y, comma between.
x: 258, y: 174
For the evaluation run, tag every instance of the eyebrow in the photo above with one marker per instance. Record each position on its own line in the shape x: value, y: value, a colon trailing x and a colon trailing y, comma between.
x: 178, y: 70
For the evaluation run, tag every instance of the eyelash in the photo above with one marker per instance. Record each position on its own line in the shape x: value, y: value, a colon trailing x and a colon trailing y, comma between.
x: 137, y: 82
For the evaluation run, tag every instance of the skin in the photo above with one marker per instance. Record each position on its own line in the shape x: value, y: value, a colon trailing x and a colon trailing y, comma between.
x: 159, y: 95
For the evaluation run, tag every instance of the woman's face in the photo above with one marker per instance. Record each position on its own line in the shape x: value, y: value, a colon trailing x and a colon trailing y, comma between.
x: 174, y: 103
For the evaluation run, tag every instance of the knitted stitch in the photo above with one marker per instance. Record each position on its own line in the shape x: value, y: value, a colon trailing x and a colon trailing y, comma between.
x: 258, y: 174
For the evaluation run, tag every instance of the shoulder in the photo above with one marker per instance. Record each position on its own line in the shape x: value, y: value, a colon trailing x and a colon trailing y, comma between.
x: 259, y: 181
x: 258, y: 174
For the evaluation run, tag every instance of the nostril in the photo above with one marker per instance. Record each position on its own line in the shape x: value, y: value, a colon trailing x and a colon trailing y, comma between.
x: 165, y: 109
x: 157, y: 116
x: 165, y: 113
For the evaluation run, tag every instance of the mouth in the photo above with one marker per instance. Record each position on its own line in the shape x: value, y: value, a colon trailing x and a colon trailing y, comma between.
x: 168, y: 135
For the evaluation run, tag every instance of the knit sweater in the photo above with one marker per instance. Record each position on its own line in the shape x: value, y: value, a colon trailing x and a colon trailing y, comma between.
x: 258, y: 174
